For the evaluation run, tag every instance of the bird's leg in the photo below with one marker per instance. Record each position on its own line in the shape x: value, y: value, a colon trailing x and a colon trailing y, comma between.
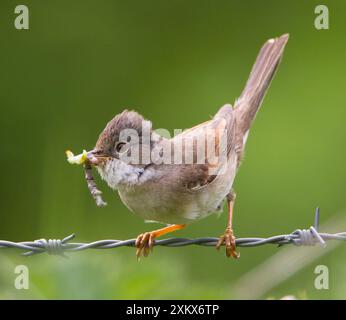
x: 145, y: 241
x: 228, y: 238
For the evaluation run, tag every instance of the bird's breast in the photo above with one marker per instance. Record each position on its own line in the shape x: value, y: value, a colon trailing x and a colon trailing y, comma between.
x: 165, y: 200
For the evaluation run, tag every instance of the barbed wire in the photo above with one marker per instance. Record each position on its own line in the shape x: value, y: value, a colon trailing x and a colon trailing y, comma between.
x: 299, y: 237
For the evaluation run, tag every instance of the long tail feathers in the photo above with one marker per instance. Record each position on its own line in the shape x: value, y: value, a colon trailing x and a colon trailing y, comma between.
x: 259, y: 80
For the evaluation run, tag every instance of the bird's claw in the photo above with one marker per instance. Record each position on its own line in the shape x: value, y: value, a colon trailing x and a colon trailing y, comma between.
x: 144, y: 244
x: 228, y: 239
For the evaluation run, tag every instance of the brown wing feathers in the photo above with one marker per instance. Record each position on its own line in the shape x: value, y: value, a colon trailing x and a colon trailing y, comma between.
x: 236, y: 121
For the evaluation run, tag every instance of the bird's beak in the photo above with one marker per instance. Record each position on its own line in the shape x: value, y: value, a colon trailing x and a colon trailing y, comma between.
x: 97, y: 157
x: 94, y: 157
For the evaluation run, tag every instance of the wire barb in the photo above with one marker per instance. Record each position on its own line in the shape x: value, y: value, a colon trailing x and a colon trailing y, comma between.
x: 300, y: 237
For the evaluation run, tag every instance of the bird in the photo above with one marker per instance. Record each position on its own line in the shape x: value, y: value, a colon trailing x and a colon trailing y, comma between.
x: 178, y: 193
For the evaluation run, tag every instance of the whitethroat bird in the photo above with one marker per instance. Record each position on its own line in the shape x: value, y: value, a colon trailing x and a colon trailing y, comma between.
x: 179, y: 192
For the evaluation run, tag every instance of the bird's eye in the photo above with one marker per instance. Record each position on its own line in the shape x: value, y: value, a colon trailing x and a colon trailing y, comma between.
x: 119, y: 147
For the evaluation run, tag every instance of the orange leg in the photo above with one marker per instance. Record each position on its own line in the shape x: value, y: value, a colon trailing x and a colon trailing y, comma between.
x: 228, y: 238
x: 145, y: 241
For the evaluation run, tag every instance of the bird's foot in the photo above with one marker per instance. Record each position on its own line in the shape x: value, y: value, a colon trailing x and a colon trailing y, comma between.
x: 228, y: 239
x: 145, y: 241
x: 144, y: 244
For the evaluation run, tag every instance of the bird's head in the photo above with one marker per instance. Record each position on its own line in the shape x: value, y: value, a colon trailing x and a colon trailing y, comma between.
x: 119, y: 150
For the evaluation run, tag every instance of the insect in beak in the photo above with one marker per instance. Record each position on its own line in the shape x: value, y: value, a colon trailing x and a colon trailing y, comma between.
x: 87, y: 159
x: 94, y: 157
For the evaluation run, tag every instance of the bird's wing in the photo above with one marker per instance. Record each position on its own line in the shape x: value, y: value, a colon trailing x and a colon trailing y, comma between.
x: 205, y: 149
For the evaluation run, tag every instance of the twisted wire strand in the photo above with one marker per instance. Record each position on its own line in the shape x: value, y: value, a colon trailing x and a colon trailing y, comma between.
x: 300, y: 237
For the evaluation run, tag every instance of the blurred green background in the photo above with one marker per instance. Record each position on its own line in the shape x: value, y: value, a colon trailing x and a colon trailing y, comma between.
x: 176, y: 62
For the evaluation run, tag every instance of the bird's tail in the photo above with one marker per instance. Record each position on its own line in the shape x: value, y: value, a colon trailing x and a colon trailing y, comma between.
x: 262, y: 73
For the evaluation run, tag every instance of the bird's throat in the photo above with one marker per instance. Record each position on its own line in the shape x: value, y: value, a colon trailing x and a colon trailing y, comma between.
x: 116, y: 173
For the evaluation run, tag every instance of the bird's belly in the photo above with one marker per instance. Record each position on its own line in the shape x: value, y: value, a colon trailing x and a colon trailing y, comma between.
x: 161, y: 207
x: 182, y: 207
x: 171, y: 211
